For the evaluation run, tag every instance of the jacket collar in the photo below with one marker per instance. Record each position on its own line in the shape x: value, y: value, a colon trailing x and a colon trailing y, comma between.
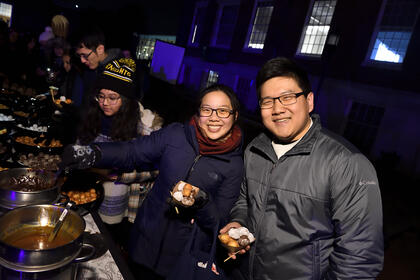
x: 192, y: 139
x: 263, y: 141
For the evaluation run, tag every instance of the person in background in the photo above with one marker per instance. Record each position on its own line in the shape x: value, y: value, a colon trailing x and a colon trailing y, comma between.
x: 117, y: 116
x: 204, y: 152
x: 310, y: 197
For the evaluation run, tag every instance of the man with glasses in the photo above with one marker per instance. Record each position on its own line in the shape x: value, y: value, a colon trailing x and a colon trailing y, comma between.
x: 311, y: 199
x: 90, y: 49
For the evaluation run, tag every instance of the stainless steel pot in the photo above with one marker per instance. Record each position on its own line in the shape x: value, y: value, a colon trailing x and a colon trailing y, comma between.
x: 11, y: 197
x: 18, y: 222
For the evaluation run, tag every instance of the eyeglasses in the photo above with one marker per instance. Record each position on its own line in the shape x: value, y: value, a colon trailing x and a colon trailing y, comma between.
x: 84, y: 56
x: 112, y: 100
x: 220, y: 112
x: 287, y: 99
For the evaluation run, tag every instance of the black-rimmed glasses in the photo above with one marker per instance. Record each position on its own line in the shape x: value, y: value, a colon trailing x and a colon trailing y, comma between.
x: 84, y: 56
x: 287, y: 99
x: 112, y: 100
x: 220, y: 112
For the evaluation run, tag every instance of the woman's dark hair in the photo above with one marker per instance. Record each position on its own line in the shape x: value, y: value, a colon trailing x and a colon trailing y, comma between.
x: 282, y: 67
x: 124, y: 123
x: 227, y: 90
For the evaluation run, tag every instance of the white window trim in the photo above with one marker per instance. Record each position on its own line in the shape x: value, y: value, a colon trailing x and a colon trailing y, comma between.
x: 221, y: 5
x: 376, y: 63
x: 198, y: 5
x: 306, y: 24
x: 250, y: 26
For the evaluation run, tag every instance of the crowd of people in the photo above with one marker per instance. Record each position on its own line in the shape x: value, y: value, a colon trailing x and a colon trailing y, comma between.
x: 309, y: 197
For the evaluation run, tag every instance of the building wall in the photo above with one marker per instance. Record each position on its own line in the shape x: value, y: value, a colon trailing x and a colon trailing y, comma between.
x: 339, y: 77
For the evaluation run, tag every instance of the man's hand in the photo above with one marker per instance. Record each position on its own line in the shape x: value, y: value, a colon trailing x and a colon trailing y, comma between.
x: 79, y: 157
x: 225, y: 229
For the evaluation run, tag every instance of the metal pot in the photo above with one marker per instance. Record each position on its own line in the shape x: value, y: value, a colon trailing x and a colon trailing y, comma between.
x: 22, y: 247
x: 12, y: 197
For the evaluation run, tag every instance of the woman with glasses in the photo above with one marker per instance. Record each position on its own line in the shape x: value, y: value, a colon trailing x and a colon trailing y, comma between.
x: 115, y: 115
x: 204, y: 152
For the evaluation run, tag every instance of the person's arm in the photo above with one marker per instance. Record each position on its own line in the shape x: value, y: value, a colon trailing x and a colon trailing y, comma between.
x: 138, y: 153
x: 357, y: 219
x: 124, y: 156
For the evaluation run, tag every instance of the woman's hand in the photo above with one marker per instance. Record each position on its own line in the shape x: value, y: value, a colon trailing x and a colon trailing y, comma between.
x: 225, y: 229
x: 79, y: 157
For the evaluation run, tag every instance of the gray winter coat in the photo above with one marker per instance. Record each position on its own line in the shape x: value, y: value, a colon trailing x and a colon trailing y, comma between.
x: 316, y: 212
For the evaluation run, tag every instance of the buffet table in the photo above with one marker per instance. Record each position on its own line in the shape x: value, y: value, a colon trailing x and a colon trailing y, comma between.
x: 110, y: 265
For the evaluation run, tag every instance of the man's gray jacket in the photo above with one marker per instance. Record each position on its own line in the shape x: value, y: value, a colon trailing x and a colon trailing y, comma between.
x: 316, y: 212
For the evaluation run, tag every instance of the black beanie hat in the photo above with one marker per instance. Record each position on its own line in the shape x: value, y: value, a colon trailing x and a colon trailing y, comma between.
x: 118, y: 76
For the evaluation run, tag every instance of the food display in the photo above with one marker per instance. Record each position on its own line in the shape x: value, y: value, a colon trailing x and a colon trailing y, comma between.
x: 62, y: 99
x: 3, y: 107
x: 6, y: 118
x: 236, y: 239
x: 29, y: 182
x: 27, y: 140
x: 34, y: 127
x: 184, y: 194
x: 3, y: 131
x: 21, y: 114
x: 82, y: 197
x: 40, y: 161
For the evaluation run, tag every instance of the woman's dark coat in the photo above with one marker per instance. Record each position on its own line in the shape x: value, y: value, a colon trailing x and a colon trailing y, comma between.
x: 159, y: 235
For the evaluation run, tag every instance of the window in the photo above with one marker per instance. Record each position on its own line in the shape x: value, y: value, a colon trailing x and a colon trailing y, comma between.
x: 260, y: 23
x: 146, y: 45
x: 316, y: 28
x: 226, y: 20
x: 197, y: 27
x: 394, y: 30
x: 6, y: 12
x: 362, y: 125
x: 212, y: 78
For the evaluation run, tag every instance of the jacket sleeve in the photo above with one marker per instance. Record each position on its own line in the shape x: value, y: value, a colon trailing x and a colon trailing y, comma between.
x: 357, y: 219
x: 217, y: 209
x: 138, y: 153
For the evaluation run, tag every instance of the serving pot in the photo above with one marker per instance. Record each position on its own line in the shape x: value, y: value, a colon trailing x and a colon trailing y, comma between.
x: 11, y: 197
x: 22, y: 247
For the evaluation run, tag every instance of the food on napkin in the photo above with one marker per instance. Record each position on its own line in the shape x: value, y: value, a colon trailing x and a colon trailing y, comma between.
x: 236, y: 239
x: 184, y: 194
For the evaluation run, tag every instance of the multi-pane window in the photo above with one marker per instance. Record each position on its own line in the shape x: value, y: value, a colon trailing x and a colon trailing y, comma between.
x: 197, y: 27
x: 226, y: 25
x: 212, y: 78
x: 5, y: 12
x: 362, y: 125
x: 260, y: 23
x: 394, y: 31
x: 316, y: 29
x: 146, y: 45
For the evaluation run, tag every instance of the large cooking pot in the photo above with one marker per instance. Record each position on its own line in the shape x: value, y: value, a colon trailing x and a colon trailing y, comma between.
x: 14, y: 194
x: 24, y: 242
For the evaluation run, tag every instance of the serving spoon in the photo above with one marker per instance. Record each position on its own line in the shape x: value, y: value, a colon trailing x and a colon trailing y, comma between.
x: 58, y: 225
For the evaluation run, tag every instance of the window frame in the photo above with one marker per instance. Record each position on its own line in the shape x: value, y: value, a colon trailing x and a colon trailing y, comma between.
x: 379, y: 63
x: 251, y: 26
x: 221, y: 5
x: 299, y: 52
x: 198, y: 5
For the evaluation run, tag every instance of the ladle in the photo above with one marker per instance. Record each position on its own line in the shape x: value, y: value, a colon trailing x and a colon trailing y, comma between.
x: 58, y: 225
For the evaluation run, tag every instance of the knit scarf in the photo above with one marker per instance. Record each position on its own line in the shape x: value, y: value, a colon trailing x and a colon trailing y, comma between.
x: 211, y: 147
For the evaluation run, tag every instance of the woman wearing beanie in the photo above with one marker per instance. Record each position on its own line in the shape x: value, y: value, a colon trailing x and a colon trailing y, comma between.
x: 204, y: 152
x: 115, y: 115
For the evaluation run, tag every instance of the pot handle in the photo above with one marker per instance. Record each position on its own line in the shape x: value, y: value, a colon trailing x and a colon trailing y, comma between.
x: 88, y: 256
x: 62, y: 200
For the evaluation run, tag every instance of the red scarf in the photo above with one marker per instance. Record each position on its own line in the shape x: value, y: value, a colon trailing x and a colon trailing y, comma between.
x: 211, y: 147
